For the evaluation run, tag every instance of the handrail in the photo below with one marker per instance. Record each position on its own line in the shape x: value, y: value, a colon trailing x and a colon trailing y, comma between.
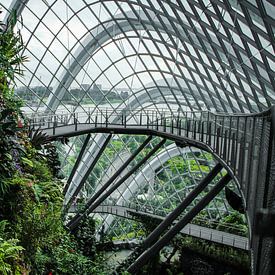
x: 192, y: 229
x: 260, y: 114
x: 200, y: 124
x: 160, y: 111
x: 113, y: 209
x: 150, y: 115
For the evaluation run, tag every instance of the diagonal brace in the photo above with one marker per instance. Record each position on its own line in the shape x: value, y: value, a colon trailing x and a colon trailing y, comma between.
x: 116, y: 174
x: 142, y: 260
x: 90, y: 207
x: 91, y: 167
x: 77, y: 163
x: 154, y: 235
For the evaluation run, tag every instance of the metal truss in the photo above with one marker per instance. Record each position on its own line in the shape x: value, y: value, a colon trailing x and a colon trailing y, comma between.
x: 178, y: 55
x: 90, y: 206
x: 236, y: 39
x: 167, y: 237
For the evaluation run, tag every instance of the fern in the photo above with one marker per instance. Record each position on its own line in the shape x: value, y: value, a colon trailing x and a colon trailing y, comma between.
x: 9, y: 253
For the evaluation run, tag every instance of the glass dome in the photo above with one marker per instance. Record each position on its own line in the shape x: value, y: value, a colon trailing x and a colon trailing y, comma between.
x: 89, y: 55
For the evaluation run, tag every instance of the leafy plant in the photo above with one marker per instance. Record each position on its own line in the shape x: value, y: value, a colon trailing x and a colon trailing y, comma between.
x: 53, y: 161
x: 85, y: 236
x: 9, y: 255
x: 10, y: 60
x: 7, y: 122
x: 40, y: 170
x: 222, y: 253
x: 10, y: 51
x: 4, y: 186
x: 66, y: 258
x: 233, y: 223
x: 38, y: 138
x: 3, y: 225
x: 49, y: 191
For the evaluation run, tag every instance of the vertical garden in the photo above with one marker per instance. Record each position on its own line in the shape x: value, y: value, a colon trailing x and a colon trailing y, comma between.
x: 33, y: 239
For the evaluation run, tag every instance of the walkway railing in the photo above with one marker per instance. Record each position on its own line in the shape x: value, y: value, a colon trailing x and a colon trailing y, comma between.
x: 191, y: 229
x: 235, y: 138
x: 200, y: 122
x: 126, y: 209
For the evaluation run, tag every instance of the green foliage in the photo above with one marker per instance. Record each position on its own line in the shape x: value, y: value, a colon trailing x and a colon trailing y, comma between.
x: 149, y: 223
x: 49, y: 192
x: 233, y: 223
x: 7, y: 122
x: 176, y: 165
x: 128, y: 229
x: 37, y: 138
x: 85, y: 236
x: 195, y: 166
x: 66, y: 258
x: 34, y: 209
x: 4, y: 186
x: 40, y: 170
x: 222, y: 253
x: 52, y: 158
x: 3, y: 226
x: 10, y: 148
x: 10, y: 60
x: 62, y: 259
x: 9, y: 256
x: 27, y: 162
x: 38, y: 221
x: 11, y: 47
x: 17, y: 181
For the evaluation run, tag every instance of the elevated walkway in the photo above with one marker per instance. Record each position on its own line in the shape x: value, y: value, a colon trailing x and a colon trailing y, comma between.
x: 190, y: 229
x: 243, y: 144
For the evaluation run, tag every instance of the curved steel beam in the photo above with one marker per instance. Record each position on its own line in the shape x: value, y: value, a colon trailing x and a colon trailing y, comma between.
x: 93, y: 41
x: 16, y: 5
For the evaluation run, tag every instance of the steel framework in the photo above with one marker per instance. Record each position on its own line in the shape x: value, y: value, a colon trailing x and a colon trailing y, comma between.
x: 215, y: 55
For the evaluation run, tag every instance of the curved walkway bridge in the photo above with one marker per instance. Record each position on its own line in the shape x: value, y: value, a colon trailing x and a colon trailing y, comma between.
x: 242, y: 144
x: 190, y: 229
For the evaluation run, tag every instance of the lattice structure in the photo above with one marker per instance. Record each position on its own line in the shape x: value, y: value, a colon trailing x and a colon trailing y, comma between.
x: 180, y: 56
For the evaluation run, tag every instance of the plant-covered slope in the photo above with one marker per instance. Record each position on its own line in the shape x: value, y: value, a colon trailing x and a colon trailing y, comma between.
x: 33, y: 239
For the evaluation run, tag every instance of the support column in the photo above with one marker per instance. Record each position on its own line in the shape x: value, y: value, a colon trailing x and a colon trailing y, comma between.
x: 154, y: 235
x: 265, y: 216
x: 116, y: 174
x: 91, y: 206
x: 86, y: 175
x: 142, y: 260
x: 77, y: 163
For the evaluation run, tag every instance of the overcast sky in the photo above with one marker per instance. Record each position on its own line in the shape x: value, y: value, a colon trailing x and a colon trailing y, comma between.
x: 68, y: 35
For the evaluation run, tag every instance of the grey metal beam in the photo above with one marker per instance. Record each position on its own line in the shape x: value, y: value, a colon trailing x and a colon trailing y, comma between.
x: 91, y: 167
x: 140, y: 178
x: 18, y: 6
x: 116, y: 174
x: 90, y: 45
x: 194, y: 230
x: 74, y: 222
x: 141, y: 261
x: 181, y: 207
x: 265, y: 216
x: 77, y: 163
